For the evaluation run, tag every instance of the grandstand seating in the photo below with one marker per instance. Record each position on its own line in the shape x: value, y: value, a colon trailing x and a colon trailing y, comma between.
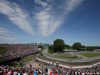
x: 15, y: 51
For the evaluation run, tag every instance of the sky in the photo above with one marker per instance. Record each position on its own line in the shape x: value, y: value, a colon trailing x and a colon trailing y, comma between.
x: 43, y: 21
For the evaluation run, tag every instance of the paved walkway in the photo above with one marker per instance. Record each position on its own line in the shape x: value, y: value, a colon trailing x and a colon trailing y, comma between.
x: 80, y: 58
x: 33, y: 63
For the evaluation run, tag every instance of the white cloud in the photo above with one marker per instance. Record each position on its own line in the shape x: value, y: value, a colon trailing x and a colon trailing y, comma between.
x: 72, y: 4
x: 16, y: 15
x: 48, y: 14
x: 50, y: 17
x: 8, y: 38
x: 5, y: 34
x: 43, y: 22
x: 4, y: 30
x: 40, y: 3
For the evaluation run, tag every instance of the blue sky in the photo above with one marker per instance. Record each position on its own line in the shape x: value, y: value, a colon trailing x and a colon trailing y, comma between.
x: 28, y: 21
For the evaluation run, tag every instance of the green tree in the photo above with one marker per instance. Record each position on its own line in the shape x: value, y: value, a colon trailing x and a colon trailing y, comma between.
x: 58, y: 45
x: 67, y: 47
x: 92, y: 48
x: 40, y: 46
x: 51, y: 49
x: 3, y: 49
x: 77, y: 45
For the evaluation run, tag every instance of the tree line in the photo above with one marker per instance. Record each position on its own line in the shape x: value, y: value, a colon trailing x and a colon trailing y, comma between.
x: 59, y: 45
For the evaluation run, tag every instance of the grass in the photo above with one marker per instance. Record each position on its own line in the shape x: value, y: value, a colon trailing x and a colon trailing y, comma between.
x: 50, y: 51
x: 27, y: 58
x: 24, y: 60
x: 90, y: 54
x: 14, y: 63
x: 2, y: 58
x: 74, y: 57
x: 68, y: 63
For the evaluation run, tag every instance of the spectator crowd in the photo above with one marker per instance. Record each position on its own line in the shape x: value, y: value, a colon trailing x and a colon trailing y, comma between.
x: 84, y: 71
x: 57, y: 70
x: 9, y: 70
x: 14, y: 51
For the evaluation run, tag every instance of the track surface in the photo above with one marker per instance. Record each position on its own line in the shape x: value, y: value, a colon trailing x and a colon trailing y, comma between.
x: 80, y: 58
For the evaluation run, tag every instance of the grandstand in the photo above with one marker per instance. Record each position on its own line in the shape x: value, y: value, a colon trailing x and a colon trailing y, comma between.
x: 19, y: 50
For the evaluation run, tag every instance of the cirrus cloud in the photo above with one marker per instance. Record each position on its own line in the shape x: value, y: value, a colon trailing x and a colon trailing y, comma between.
x: 5, y: 34
x: 52, y: 16
x: 16, y: 15
x: 48, y: 15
